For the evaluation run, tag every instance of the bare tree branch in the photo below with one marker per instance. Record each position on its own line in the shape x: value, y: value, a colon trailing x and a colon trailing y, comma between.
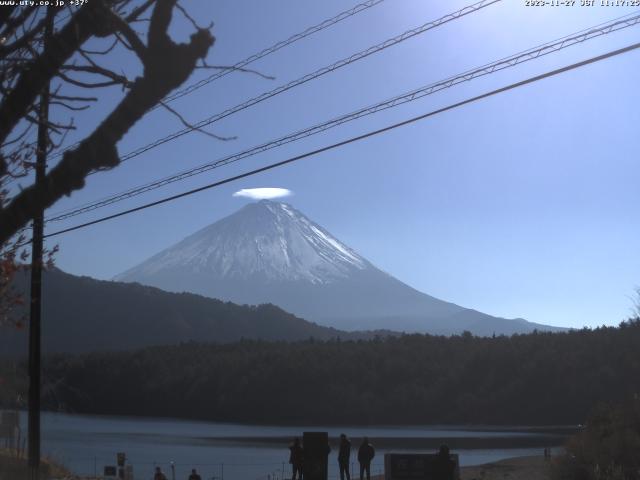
x: 131, y: 36
x: 5, y: 15
x: 23, y: 40
x: 79, y: 83
x: 193, y: 127
x: 19, y: 137
x: 100, y: 52
x: 139, y: 11
x: 189, y: 17
x: 74, y: 99
x: 166, y: 66
x: 88, y: 21
x: 96, y: 69
x: 9, y: 25
x: 69, y: 107
x: 55, y: 127
x: 205, y: 66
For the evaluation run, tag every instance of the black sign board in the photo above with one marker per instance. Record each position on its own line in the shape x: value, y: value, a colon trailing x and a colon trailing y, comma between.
x: 110, y: 471
x: 316, y: 450
x: 415, y: 466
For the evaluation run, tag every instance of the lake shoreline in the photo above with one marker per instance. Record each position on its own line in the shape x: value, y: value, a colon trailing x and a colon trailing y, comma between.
x: 413, y: 443
x: 85, y: 444
x: 516, y: 468
x: 532, y: 428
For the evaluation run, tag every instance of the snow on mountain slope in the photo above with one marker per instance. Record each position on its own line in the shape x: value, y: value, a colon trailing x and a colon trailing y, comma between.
x: 267, y: 239
x: 268, y: 252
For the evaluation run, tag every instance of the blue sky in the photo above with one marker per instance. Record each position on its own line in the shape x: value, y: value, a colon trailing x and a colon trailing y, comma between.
x: 521, y: 205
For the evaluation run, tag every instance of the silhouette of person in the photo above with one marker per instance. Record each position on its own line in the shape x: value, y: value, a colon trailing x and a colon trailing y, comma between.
x: 194, y: 475
x: 343, y: 457
x: 159, y: 475
x: 366, y: 452
x: 444, y: 466
x: 296, y: 459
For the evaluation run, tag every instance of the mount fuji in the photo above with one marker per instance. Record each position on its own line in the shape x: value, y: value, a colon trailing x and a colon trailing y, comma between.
x: 268, y: 252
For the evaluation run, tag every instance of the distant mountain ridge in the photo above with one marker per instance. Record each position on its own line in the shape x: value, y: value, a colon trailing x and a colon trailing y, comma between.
x: 81, y: 314
x: 269, y: 252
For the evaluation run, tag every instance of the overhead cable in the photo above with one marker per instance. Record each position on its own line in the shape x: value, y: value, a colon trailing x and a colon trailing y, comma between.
x: 257, y: 56
x: 413, y: 95
x: 358, y: 138
x: 308, y: 77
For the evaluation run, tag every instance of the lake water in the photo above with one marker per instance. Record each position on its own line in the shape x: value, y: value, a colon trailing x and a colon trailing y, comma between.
x: 86, y: 443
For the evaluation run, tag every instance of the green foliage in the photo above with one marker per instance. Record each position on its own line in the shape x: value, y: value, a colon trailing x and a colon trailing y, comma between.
x: 539, y: 378
x: 608, y: 447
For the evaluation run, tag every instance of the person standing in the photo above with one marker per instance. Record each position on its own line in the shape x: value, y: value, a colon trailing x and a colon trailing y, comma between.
x: 445, y: 467
x: 366, y: 452
x: 296, y: 459
x: 343, y: 457
x: 159, y: 475
x: 194, y: 475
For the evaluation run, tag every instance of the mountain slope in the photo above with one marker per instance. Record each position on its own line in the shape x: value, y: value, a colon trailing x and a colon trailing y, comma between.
x: 81, y: 314
x: 268, y: 252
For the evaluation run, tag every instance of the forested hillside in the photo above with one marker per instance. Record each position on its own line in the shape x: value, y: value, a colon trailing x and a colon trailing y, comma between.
x: 539, y: 378
x: 81, y: 314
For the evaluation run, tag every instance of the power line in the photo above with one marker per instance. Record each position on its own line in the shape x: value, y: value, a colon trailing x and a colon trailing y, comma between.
x: 312, y: 76
x: 356, y: 138
x: 507, y: 62
x: 274, y: 48
x: 257, y: 56
x: 281, y: 89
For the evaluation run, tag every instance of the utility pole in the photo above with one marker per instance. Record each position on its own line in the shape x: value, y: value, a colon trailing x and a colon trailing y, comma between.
x: 36, y: 275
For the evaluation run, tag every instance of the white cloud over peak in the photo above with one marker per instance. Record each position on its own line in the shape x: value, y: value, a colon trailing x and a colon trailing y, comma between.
x: 265, y: 193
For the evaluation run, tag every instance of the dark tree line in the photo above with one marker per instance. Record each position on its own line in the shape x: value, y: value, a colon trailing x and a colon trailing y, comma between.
x: 539, y: 378
x: 86, y: 315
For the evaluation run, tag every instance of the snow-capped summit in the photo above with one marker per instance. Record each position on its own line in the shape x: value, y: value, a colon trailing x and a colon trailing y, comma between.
x: 269, y: 252
x: 267, y: 239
